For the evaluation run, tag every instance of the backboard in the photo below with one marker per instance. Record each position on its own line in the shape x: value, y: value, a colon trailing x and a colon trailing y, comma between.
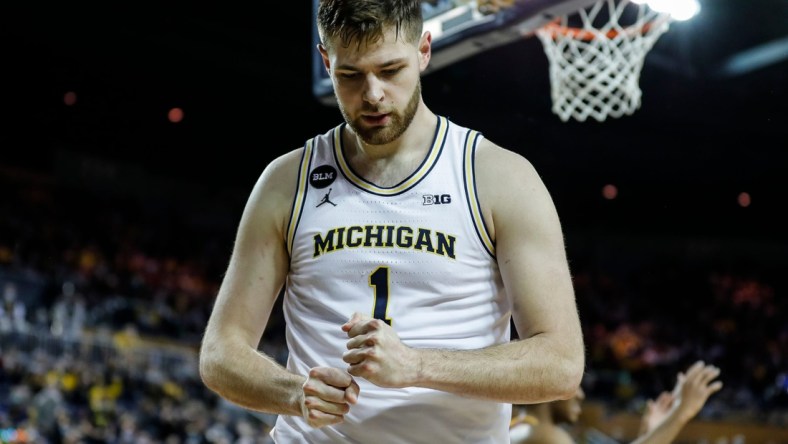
x: 460, y: 30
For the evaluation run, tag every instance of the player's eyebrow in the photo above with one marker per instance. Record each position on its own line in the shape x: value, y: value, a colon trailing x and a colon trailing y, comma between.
x: 393, y: 62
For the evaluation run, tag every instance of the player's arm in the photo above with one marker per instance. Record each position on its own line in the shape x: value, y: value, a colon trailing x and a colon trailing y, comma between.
x: 548, y: 360
x: 230, y: 363
x: 548, y: 363
x: 692, y: 391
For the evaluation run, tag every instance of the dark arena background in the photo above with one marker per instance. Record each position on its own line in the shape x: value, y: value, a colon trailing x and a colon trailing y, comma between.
x: 131, y: 138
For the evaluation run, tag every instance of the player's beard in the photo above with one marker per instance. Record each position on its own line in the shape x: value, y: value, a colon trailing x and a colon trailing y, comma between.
x: 381, y: 135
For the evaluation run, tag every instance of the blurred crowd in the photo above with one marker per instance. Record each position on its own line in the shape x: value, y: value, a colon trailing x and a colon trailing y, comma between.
x: 104, y: 298
x: 643, y: 330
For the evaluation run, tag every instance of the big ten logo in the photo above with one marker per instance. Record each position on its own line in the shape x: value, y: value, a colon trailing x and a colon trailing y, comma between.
x: 437, y: 199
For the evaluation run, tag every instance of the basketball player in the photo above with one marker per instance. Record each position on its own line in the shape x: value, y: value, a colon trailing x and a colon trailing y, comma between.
x: 661, y: 422
x: 405, y: 243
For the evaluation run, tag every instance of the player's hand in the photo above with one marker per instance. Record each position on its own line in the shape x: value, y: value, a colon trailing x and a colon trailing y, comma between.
x: 695, y: 387
x: 656, y: 412
x: 376, y: 353
x: 328, y: 394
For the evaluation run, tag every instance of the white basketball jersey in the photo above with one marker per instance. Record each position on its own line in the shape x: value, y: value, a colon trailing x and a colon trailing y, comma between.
x: 417, y: 255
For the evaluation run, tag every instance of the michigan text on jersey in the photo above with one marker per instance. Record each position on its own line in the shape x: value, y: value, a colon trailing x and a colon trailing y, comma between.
x: 385, y: 236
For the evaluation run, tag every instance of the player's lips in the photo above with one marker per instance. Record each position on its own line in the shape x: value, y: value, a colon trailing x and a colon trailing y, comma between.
x: 376, y: 119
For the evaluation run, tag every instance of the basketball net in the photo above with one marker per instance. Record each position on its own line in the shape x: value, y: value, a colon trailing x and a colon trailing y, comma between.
x: 596, y: 56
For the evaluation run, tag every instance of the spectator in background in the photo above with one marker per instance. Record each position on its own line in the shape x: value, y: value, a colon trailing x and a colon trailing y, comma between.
x: 662, y: 420
x: 69, y: 313
x: 13, y: 311
x: 45, y: 406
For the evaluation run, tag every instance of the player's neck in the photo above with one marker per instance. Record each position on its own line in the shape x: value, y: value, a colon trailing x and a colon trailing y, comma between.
x: 389, y: 164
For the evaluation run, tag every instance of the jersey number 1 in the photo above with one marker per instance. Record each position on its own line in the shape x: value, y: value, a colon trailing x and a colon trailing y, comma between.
x: 379, y: 281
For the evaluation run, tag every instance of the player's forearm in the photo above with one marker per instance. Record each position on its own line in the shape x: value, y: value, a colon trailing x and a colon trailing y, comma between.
x: 522, y: 372
x: 666, y: 432
x: 250, y: 379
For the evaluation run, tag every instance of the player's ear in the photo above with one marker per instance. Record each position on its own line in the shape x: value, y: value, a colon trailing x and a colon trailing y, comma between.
x: 425, y: 50
x: 324, y: 55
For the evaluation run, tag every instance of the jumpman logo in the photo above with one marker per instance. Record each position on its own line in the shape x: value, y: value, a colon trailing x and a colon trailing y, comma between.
x: 326, y: 199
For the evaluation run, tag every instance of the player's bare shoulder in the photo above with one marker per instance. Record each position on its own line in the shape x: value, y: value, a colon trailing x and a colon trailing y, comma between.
x: 504, y: 181
x: 282, y: 172
x: 273, y: 193
x: 498, y: 165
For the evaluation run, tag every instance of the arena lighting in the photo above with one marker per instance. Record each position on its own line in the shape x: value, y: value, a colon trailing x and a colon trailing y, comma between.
x: 678, y: 9
x: 744, y: 199
x: 175, y: 115
x: 70, y: 98
x: 609, y: 191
